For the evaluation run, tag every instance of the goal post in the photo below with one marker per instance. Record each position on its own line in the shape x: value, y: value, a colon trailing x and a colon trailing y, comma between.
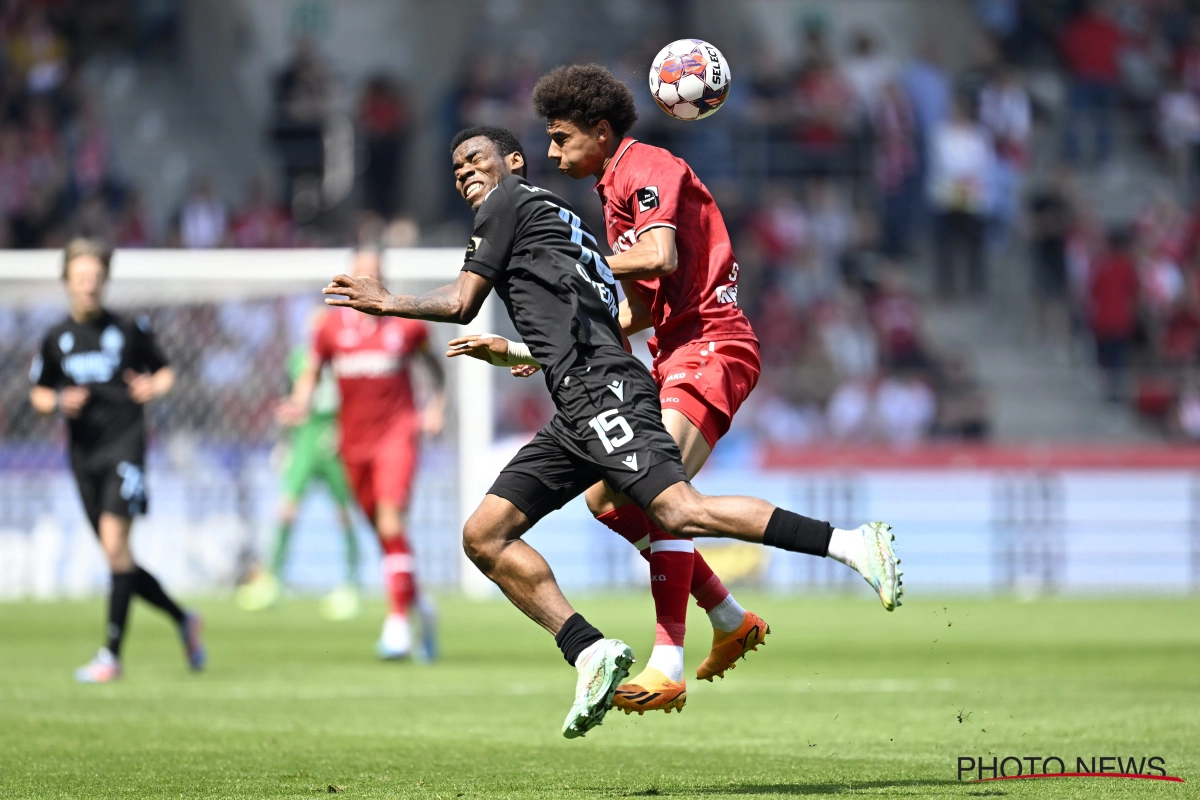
x: 221, y: 281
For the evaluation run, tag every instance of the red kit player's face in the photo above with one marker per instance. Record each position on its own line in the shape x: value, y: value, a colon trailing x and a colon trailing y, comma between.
x: 579, y: 152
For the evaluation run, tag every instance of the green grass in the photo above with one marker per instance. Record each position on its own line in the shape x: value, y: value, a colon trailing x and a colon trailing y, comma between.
x: 845, y: 701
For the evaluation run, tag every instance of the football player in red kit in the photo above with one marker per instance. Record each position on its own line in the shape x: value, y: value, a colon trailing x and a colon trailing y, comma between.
x: 673, y: 254
x: 380, y: 433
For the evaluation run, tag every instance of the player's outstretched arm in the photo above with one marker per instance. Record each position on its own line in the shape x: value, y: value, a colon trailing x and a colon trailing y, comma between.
x: 653, y: 255
x: 457, y: 302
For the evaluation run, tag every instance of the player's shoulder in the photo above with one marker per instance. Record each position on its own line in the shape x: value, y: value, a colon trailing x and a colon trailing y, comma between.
x: 640, y: 158
x: 55, y: 333
x: 644, y: 167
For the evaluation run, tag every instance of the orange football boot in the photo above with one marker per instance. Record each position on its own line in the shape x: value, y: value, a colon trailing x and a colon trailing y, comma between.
x: 650, y: 691
x: 729, y: 646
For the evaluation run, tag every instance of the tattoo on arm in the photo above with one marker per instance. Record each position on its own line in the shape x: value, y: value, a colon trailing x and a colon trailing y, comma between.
x: 433, y: 306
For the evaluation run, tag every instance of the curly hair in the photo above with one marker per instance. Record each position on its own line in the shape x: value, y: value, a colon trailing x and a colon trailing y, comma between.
x: 585, y: 94
x: 504, y: 139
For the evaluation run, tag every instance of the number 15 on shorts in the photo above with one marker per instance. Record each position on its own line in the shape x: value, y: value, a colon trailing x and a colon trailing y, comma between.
x: 606, y: 423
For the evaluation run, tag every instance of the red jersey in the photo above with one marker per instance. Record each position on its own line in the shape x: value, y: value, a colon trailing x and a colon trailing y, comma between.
x: 647, y: 187
x: 370, y: 357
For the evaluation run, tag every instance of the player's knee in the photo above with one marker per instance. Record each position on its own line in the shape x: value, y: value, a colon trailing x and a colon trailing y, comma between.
x: 599, y: 499
x: 480, y: 544
x: 673, y: 518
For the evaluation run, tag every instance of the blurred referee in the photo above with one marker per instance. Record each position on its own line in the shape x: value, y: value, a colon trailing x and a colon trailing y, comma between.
x: 97, y: 369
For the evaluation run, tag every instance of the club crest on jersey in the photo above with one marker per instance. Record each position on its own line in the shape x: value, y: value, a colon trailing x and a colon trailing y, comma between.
x: 112, y: 340
x: 647, y: 198
x: 66, y: 342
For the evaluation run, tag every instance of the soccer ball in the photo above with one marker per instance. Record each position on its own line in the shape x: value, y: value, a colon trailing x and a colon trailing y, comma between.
x: 689, y: 79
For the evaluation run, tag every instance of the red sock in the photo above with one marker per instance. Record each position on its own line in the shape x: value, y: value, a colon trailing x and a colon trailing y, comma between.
x: 706, y: 586
x: 399, y: 579
x: 670, y: 581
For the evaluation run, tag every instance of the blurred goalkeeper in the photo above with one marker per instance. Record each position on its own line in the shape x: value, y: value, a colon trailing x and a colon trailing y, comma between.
x: 380, y: 433
x: 98, y: 370
x: 312, y: 454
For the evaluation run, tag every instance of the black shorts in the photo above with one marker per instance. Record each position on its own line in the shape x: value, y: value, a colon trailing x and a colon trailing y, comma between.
x: 118, y: 489
x: 608, y: 427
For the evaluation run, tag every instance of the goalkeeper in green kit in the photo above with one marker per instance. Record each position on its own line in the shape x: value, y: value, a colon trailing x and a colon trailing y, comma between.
x: 312, y: 453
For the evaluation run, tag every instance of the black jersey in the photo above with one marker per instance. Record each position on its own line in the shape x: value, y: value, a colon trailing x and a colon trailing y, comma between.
x: 111, y: 427
x: 559, y: 293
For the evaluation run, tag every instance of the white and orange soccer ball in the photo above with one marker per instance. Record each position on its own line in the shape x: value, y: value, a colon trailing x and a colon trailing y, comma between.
x: 689, y: 79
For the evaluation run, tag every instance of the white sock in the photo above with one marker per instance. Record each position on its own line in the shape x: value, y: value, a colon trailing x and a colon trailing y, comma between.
x: 848, y: 547
x: 584, y: 653
x: 727, y: 615
x: 667, y: 659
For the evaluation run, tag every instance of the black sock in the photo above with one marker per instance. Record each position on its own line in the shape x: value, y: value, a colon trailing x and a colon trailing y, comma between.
x: 147, y: 586
x: 575, y: 636
x: 792, y: 532
x: 118, y: 609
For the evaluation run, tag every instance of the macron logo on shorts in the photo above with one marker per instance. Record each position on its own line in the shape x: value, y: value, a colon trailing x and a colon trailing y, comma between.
x: 647, y: 198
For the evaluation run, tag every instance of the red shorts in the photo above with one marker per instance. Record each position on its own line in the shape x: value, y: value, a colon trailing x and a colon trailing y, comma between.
x: 708, y: 382
x: 387, y: 476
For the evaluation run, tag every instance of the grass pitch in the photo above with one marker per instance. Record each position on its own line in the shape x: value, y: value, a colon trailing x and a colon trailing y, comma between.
x: 846, y: 700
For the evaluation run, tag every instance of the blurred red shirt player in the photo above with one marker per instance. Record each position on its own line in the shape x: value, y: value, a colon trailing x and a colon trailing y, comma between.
x: 380, y: 434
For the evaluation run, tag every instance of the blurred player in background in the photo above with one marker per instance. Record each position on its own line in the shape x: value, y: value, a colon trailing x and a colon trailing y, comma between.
x: 380, y: 432
x: 98, y: 369
x: 312, y: 454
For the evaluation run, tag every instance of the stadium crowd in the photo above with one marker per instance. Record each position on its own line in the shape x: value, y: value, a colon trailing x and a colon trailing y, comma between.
x: 840, y: 172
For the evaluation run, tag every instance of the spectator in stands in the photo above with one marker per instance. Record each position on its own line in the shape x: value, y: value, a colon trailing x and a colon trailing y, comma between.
x: 38, y: 53
x: 133, y: 228
x: 90, y: 152
x: 905, y: 409
x: 867, y: 69
x: 1007, y: 113
x: 260, y: 223
x: 1091, y: 48
x: 1050, y: 219
x: 960, y: 187
x: 896, y: 165
x: 1113, y: 303
x: 825, y: 107
x: 928, y: 86
x: 962, y: 404
x: 203, y: 218
x: 383, y: 119
x: 897, y: 319
x: 303, y: 101
x: 1179, y: 131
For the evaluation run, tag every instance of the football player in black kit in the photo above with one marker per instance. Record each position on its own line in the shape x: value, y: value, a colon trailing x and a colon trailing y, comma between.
x: 532, y: 247
x: 98, y: 369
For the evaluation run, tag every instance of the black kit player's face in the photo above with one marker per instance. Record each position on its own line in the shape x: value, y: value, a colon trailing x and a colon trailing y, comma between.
x: 479, y: 168
x: 579, y: 152
x: 85, y: 286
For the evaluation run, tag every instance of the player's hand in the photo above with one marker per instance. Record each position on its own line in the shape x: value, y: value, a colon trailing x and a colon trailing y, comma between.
x: 142, y: 388
x: 477, y: 346
x: 432, y: 420
x: 524, y: 370
x: 290, y: 413
x: 362, y: 294
x: 72, y: 399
